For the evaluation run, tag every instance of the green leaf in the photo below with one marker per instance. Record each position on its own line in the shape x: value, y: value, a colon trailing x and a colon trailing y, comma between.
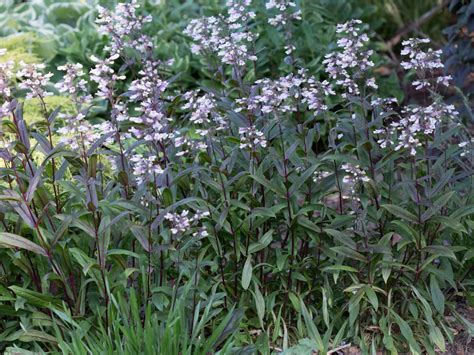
x: 405, y: 230
x: 301, y: 180
x: 36, y: 298
x: 262, y: 212
x: 436, y: 294
x: 311, y: 327
x: 401, y: 213
x: 36, y: 335
x: 437, y: 338
x: 228, y: 326
x: 462, y: 212
x: 259, y: 305
x: 104, y: 239
x: 33, y: 184
x: 247, y: 273
x: 407, y: 333
x: 372, y: 296
x: 262, y: 243
x: 10, y: 240
x: 325, y: 307
x: 336, y: 268
x: 439, y: 203
x: 440, y: 250
x: 268, y: 184
x: 350, y: 253
x: 341, y: 237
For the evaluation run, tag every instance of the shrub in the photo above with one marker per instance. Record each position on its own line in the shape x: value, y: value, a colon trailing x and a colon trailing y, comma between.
x: 272, y: 204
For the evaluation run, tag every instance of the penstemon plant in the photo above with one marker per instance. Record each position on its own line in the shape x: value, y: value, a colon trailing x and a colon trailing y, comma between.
x: 258, y: 208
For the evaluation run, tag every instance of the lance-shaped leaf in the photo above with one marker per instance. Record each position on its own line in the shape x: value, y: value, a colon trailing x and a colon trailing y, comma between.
x: 33, y: 184
x: 104, y: 239
x: 54, y: 114
x: 438, y: 204
x: 10, y: 240
x: 401, y: 213
x: 247, y: 273
x: 36, y: 298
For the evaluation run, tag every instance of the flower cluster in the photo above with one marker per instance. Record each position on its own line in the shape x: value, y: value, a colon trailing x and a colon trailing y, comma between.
x: 201, y: 107
x: 124, y: 27
x: 202, y: 112
x: 416, y: 122
x: 354, y: 177
x: 227, y: 37
x: 289, y: 94
x: 182, y: 222
x: 78, y: 133
x: 145, y: 168
x: 354, y: 174
x: 319, y: 175
x: 74, y: 84
x: 251, y: 138
x: 384, y: 105
x: 424, y: 62
x: 467, y: 147
x: 238, y: 13
x: 286, y: 11
x: 147, y: 91
x: 34, y: 80
x: 187, y: 145
x: 104, y: 75
x: 350, y: 66
x: 6, y: 76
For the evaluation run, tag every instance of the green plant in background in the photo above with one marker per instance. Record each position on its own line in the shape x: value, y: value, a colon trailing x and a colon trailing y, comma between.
x: 22, y: 47
x: 263, y: 191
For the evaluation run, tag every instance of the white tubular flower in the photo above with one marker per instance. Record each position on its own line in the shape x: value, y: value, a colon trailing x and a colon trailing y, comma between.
x: 104, y: 75
x: 147, y: 91
x: 238, y: 13
x: 73, y: 84
x: 288, y: 94
x: 416, y: 123
x: 285, y: 11
x: 354, y: 177
x: 145, y: 168
x: 251, y: 138
x: 183, y: 222
x: 34, y: 80
x: 426, y: 63
x: 6, y: 76
x: 320, y: 175
x: 226, y: 36
x: 467, y: 147
x: 123, y: 26
x: 351, y: 64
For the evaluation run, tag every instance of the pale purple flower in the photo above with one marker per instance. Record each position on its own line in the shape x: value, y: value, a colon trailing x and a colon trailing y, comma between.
x: 290, y: 93
x: 148, y: 92
x: 227, y: 37
x: 353, y: 178
x: 73, y: 84
x: 319, y: 175
x: 105, y: 76
x: 124, y: 27
x: 183, y: 222
x: 286, y: 12
x: 426, y: 63
x: 251, y: 138
x: 350, y: 65
x: 467, y: 147
x: 145, y: 168
x: 34, y: 80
